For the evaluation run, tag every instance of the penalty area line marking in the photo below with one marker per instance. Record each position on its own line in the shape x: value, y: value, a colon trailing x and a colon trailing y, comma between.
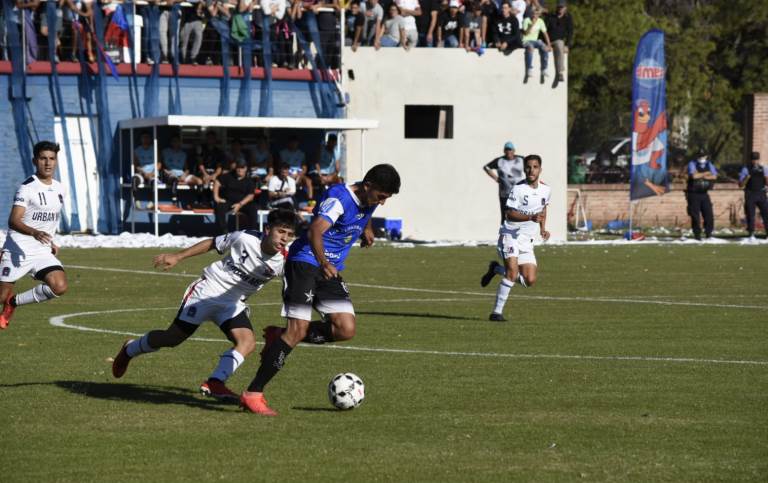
x: 479, y: 294
x: 60, y: 321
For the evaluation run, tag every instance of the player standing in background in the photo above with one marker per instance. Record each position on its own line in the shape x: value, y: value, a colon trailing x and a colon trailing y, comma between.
x: 29, y: 247
x: 525, y: 219
x: 219, y: 295
x: 507, y: 171
x: 312, y: 277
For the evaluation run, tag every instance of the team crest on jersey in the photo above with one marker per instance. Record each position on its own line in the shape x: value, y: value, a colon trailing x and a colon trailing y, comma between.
x: 61, y: 198
x: 6, y: 271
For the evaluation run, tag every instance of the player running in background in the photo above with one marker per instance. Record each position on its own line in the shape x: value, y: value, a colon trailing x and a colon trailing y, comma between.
x: 526, y: 217
x: 219, y: 296
x: 29, y: 247
x: 312, y: 277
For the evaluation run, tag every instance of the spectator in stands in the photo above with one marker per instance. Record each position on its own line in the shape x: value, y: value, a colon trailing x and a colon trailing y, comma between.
x: 192, y: 26
x: 472, y: 28
x: 507, y: 32
x: 236, y: 154
x: 144, y: 165
x: 282, y: 188
x: 328, y: 166
x: 752, y: 179
x: 175, y: 167
x: 210, y: 159
x: 392, y: 32
x: 560, y: 30
x: 296, y: 160
x: 374, y: 16
x: 410, y: 9
x: 24, y: 16
x: 701, y: 178
x: 163, y: 26
x: 355, y: 24
x: 275, y: 10
x: 79, y: 12
x: 518, y: 10
x: 326, y: 24
x: 577, y: 172
x: 3, y: 50
x: 260, y: 161
x: 490, y: 14
x: 234, y: 192
x: 449, y: 33
x: 427, y: 22
x: 59, y: 28
x: 506, y: 171
x: 532, y: 28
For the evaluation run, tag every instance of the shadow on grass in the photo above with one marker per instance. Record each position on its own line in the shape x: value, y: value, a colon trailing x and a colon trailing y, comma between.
x: 144, y: 394
x: 416, y: 314
x: 314, y: 410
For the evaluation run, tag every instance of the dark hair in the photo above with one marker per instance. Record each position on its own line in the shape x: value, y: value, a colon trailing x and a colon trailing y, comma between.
x: 754, y: 156
x: 283, y: 217
x: 383, y: 177
x: 531, y: 157
x: 45, y: 146
x: 333, y: 137
x: 284, y: 166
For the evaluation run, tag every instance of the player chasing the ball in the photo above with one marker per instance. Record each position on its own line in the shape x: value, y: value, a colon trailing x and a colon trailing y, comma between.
x: 525, y: 219
x: 29, y: 247
x: 219, y: 296
x: 312, y: 277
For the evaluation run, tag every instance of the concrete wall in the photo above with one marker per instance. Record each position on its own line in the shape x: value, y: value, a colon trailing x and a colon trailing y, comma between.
x: 607, y: 202
x: 756, y: 138
x: 445, y: 194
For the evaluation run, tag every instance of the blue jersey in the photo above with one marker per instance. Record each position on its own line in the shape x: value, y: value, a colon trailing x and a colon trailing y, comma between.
x: 340, y: 206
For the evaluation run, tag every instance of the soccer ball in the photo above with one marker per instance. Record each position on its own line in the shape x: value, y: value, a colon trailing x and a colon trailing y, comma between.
x: 346, y: 391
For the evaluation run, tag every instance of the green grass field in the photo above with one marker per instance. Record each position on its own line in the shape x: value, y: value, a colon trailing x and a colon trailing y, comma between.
x: 633, y: 363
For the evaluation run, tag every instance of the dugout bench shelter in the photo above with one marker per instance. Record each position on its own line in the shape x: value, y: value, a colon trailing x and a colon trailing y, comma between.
x: 163, y: 127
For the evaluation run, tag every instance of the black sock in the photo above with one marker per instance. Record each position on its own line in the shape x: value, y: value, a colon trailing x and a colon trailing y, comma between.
x: 272, y: 362
x: 319, y: 332
x: 13, y: 301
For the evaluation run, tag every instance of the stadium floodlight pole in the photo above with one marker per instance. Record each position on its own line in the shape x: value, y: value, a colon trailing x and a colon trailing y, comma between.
x: 157, y: 179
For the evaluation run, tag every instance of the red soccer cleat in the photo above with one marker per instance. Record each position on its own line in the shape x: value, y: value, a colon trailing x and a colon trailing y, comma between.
x: 8, y: 309
x: 120, y: 364
x: 216, y: 389
x: 271, y: 334
x: 254, y: 402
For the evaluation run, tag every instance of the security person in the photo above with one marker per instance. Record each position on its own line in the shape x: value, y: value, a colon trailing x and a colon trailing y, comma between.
x: 752, y: 179
x: 507, y: 171
x: 701, y: 177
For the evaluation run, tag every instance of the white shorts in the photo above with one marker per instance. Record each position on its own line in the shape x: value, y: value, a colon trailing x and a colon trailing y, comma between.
x: 201, y: 304
x: 13, y: 265
x: 520, y: 247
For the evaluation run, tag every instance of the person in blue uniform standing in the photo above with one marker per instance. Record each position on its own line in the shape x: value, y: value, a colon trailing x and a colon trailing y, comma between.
x: 701, y: 178
x: 752, y: 180
x: 312, y: 276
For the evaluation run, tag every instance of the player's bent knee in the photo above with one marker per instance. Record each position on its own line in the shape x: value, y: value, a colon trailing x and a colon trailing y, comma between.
x: 344, y: 332
x: 529, y: 281
x: 59, y: 288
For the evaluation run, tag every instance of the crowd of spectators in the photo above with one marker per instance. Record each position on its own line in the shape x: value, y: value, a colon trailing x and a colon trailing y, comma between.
x: 473, y: 25
x: 240, y: 179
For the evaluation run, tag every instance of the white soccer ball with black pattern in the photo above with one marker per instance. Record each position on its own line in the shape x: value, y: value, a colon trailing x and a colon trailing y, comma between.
x: 346, y: 391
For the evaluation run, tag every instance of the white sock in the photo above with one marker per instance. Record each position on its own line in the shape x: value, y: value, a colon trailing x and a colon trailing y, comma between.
x: 228, y: 364
x: 139, y: 346
x: 41, y: 293
x: 500, y: 270
x: 502, y: 293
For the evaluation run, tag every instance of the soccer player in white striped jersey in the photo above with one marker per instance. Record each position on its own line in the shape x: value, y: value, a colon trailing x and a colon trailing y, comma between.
x: 29, y: 247
x: 525, y: 220
x: 219, y: 295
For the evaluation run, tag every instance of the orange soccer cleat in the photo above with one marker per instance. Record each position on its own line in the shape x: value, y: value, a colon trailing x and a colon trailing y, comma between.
x: 216, y: 389
x: 254, y: 402
x: 120, y: 364
x: 8, y: 309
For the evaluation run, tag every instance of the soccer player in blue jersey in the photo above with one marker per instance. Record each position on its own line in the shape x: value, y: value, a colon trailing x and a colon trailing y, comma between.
x: 312, y: 277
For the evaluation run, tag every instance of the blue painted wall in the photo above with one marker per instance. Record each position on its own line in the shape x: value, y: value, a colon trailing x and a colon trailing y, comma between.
x: 199, y: 96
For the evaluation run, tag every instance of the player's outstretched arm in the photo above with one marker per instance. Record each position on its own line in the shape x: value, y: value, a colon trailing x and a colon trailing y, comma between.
x: 316, y: 230
x: 15, y: 223
x: 166, y: 261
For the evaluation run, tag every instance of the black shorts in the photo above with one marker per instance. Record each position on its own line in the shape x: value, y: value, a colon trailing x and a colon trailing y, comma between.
x: 305, y: 288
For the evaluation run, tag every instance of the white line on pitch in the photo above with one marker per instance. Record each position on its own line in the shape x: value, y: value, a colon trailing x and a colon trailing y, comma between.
x: 59, y: 321
x: 483, y: 294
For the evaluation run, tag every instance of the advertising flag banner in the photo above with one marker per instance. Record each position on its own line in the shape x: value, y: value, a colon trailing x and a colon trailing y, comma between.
x: 648, y: 175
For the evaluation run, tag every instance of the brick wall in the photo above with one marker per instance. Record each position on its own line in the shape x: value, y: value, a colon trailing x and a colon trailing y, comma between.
x: 757, y: 126
x: 200, y: 96
x: 607, y: 202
